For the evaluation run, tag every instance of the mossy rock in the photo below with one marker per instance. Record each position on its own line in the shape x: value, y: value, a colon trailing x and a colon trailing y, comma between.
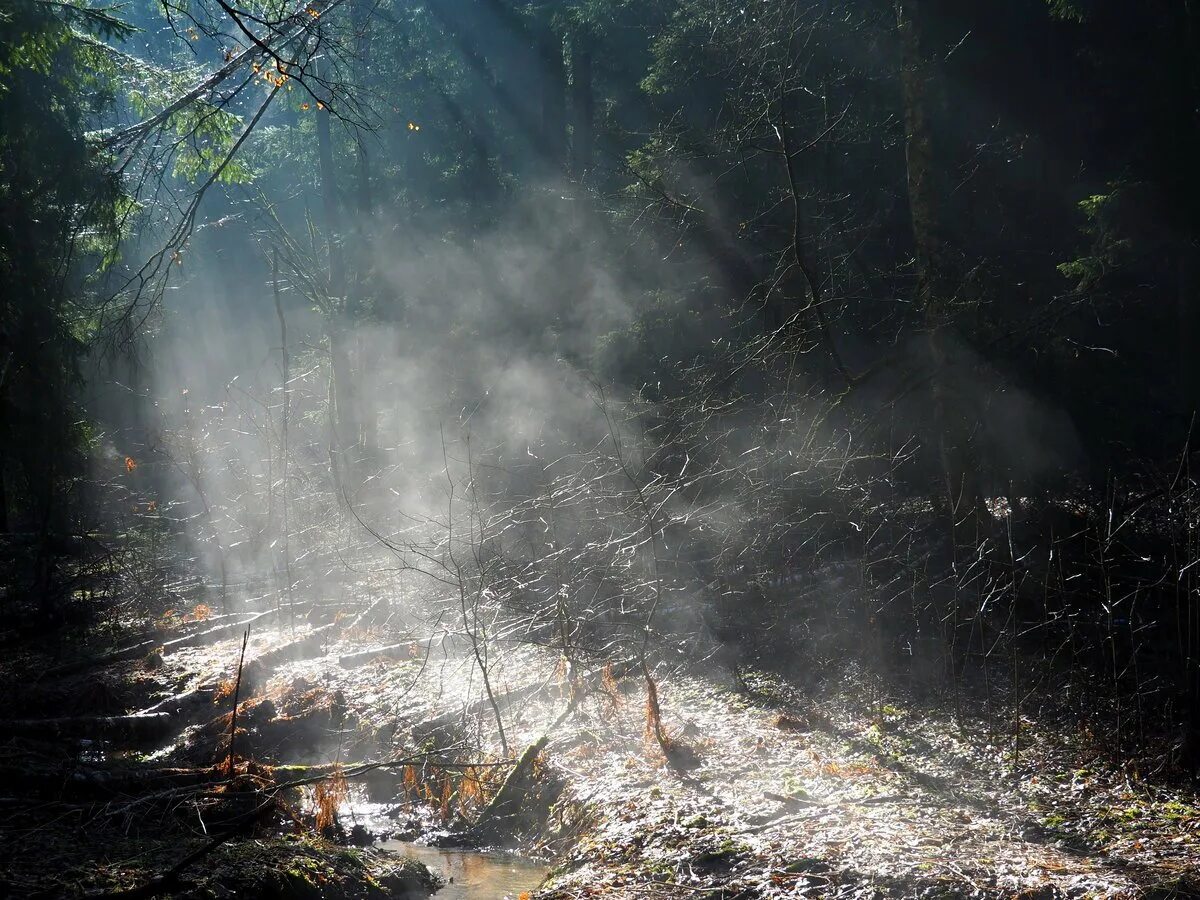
x: 308, y: 869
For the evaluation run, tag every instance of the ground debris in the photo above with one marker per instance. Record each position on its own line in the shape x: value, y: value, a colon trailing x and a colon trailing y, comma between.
x: 109, y: 863
x: 845, y: 808
x: 788, y: 793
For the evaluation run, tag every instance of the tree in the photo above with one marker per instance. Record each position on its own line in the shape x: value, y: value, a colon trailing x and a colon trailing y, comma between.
x: 60, y: 214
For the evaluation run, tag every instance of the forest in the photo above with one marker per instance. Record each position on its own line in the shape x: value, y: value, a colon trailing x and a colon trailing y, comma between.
x: 549, y: 449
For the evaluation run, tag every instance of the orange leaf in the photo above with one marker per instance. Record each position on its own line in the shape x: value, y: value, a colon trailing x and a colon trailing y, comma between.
x: 130, y: 464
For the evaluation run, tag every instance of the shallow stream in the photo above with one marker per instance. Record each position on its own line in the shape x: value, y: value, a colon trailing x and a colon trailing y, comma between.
x: 472, y: 875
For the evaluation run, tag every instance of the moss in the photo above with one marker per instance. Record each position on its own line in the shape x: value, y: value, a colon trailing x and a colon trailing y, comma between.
x: 305, y: 868
x: 1174, y: 811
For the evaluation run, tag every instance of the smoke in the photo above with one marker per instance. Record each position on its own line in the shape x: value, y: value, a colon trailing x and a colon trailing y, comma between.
x: 520, y: 425
x: 469, y: 359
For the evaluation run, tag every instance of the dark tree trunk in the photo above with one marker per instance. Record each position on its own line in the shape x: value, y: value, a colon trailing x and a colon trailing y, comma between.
x: 365, y: 417
x: 362, y: 11
x: 4, y: 523
x: 1188, y: 312
x: 920, y: 79
x: 346, y: 426
x: 343, y: 423
x: 554, y: 98
x: 583, y: 107
x: 329, y: 202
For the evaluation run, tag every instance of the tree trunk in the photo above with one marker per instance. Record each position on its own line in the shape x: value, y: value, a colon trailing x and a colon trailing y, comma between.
x: 346, y: 427
x: 366, y: 419
x: 500, y: 817
x: 554, y: 99
x: 920, y: 84
x: 361, y: 13
x: 333, y: 223
x: 343, y: 422
x: 1189, y: 319
x: 5, y: 528
x: 583, y: 107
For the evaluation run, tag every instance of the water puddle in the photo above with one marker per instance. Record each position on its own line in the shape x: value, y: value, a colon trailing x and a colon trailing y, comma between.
x: 471, y: 875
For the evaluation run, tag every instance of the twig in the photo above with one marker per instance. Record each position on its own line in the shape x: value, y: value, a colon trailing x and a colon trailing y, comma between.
x: 237, y: 689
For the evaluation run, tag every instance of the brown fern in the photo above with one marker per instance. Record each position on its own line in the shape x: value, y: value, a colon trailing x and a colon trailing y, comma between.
x: 328, y: 796
x: 610, y: 688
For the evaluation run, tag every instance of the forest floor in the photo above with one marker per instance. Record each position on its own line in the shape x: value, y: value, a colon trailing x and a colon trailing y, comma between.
x: 772, y: 791
x: 778, y: 793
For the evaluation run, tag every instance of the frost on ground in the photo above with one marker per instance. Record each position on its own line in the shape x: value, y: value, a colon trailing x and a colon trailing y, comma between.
x: 792, y: 795
x: 772, y: 789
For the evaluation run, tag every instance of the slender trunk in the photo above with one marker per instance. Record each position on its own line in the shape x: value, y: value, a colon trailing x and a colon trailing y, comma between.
x: 361, y: 12
x: 366, y: 420
x: 812, y: 308
x: 237, y: 691
x: 1187, y: 88
x: 343, y: 424
x: 919, y: 80
x: 284, y: 446
x: 1188, y: 317
x: 554, y: 105
x: 4, y: 523
x: 365, y: 199
x: 583, y: 106
x: 4, y: 370
x: 333, y: 222
x: 333, y: 446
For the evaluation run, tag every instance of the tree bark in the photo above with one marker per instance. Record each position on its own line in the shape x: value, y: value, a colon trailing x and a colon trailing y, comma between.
x: 554, y: 105
x: 329, y: 202
x: 1189, y: 325
x: 346, y: 428
x: 343, y: 425
x: 583, y: 106
x: 920, y: 84
x: 505, y: 807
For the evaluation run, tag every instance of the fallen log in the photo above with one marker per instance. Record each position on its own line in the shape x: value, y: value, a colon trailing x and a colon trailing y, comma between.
x: 362, y: 657
x: 89, y: 784
x: 134, y: 651
x: 134, y: 727
x: 103, y: 785
x: 506, y: 806
x: 172, y: 713
x: 308, y: 647
x: 447, y: 722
